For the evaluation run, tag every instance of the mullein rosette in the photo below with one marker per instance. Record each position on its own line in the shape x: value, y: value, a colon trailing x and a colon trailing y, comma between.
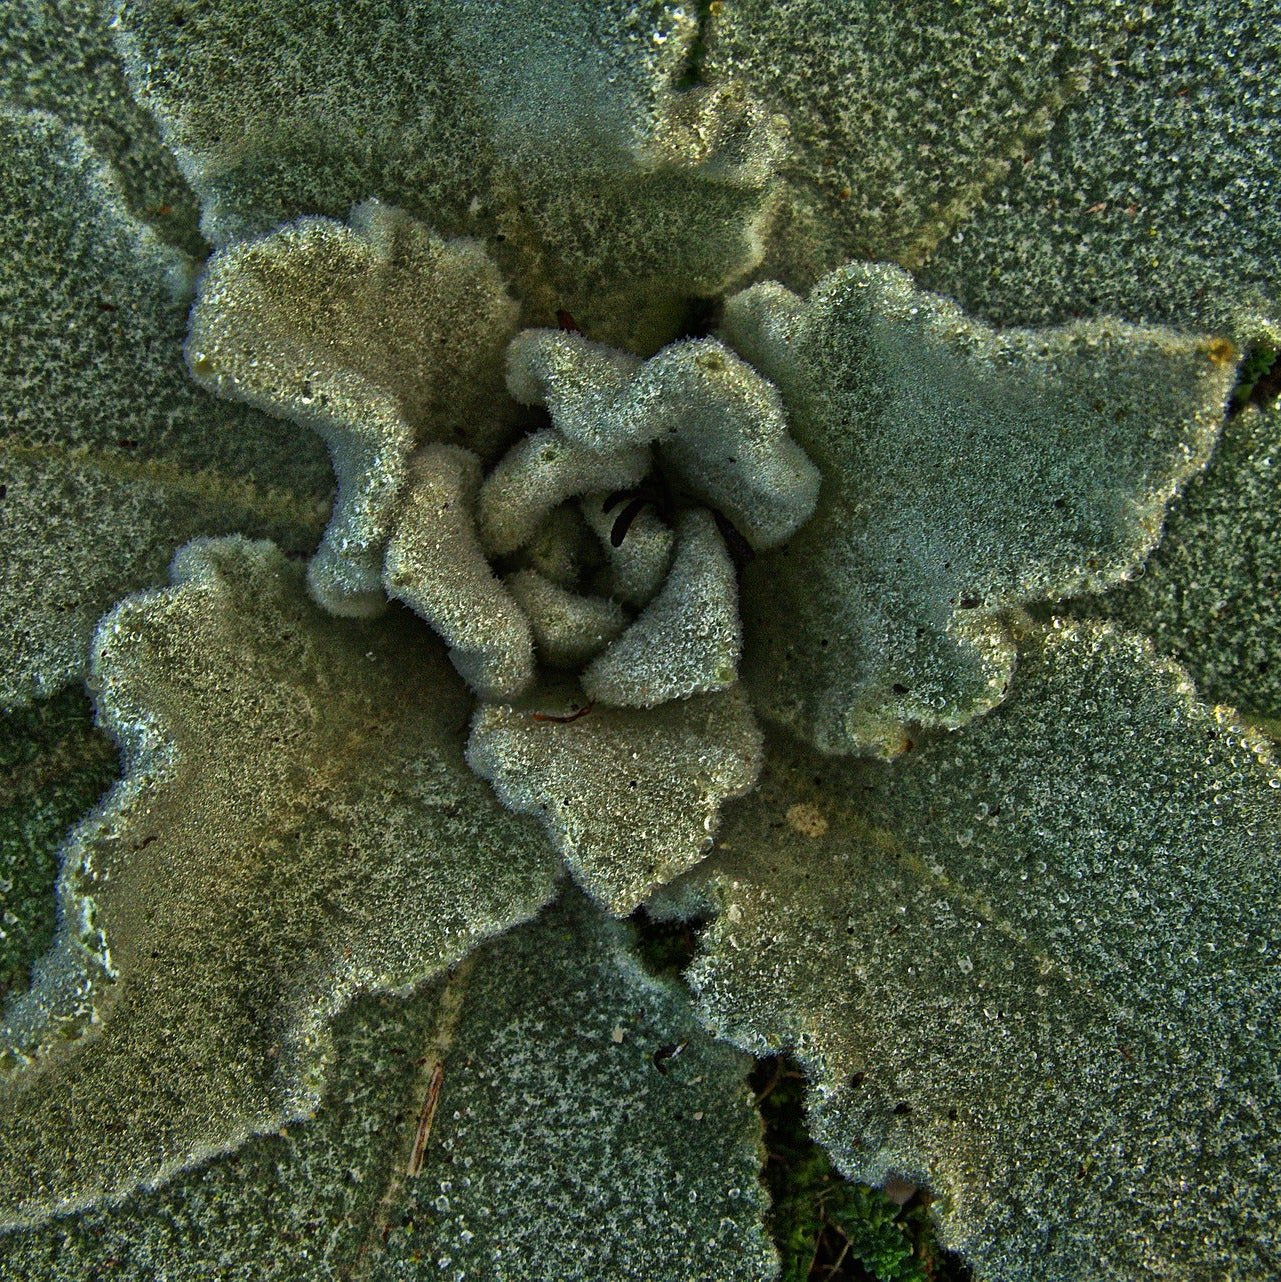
x: 751, y: 614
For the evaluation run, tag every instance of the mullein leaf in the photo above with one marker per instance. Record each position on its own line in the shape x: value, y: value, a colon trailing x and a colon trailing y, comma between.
x: 295, y: 824
x: 425, y: 1146
x: 560, y: 132
x: 965, y: 471
x: 901, y: 119
x: 58, y: 56
x: 1031, y: 966
x: 110, y: 457
x: 54, y: 765
x: 377, y: 334
x: 1210, y: 595
x: 1155, y: 196
x: 642, y: 1155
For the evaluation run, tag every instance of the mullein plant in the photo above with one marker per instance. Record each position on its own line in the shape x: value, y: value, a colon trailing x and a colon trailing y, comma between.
x: 495, y: 467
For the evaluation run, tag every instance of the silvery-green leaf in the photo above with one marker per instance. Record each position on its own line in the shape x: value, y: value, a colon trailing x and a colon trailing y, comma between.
x: 279, y: 111
x: 1038, y: 161
x: 295, y: 1206
x: 380, y: 336
x: 557, y: 131
x: 435, y: 565
x: 965, y: 471
x: 559, y: 1008
x: 630, y: 797
x: 688, y: 640
x: 585, y: 1128
x: 714, y: 422
x: 1155, y: 196
x: 295, y: 825
x: 901, y: 118
x: 110, y: 457
x: 1210, y: 595
x: 58, y: 56
x: 1032, y: 966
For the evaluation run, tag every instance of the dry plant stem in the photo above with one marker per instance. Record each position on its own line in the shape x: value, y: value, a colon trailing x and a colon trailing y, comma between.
x: 427, y: 1084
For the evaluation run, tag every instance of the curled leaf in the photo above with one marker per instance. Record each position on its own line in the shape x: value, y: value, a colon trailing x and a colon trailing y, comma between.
x: 568, y: 627
x: 436, y: 566
x: 965, y: 471
x: 712, y: 419
x: 687, y: 640
x: 605, y: 186
x: 638, y: 562
x: 630, y: 798
x: 295, y: 825
x: 379, y: 335
x: 538, y: 474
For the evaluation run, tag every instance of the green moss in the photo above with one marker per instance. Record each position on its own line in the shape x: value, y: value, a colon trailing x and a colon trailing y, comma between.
x: 1258, y: 378
x: 828, y: 1227
x: 823, y: 1226
x: 1058, y: 887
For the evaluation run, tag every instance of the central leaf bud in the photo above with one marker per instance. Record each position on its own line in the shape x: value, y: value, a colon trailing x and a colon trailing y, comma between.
x: 604, y: 544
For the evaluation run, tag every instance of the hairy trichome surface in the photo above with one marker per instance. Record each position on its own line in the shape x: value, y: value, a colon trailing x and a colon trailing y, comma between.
x: 805, y: 471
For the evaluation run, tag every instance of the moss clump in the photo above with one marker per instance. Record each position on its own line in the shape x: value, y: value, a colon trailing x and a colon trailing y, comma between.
x: 1259, y: 377
x: 827, y: 1227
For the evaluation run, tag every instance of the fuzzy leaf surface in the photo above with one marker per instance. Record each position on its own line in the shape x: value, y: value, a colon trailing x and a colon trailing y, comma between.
x: 1210, y: 595
x: 1031, y: 966
x: 642, y: 1156
x: 1155, y: 196
x: 110, y: 457
x: 293, y: 1206
x: 1037, y: 161
x: 378, y: 335
x: 630, y: 797
x: 295, y: 825
x: 54, y: 766
x: 329, y: 1199
x: 58, y: 56
x: 595, y: 175
x: 900, y: 118
x: 965, y: 471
